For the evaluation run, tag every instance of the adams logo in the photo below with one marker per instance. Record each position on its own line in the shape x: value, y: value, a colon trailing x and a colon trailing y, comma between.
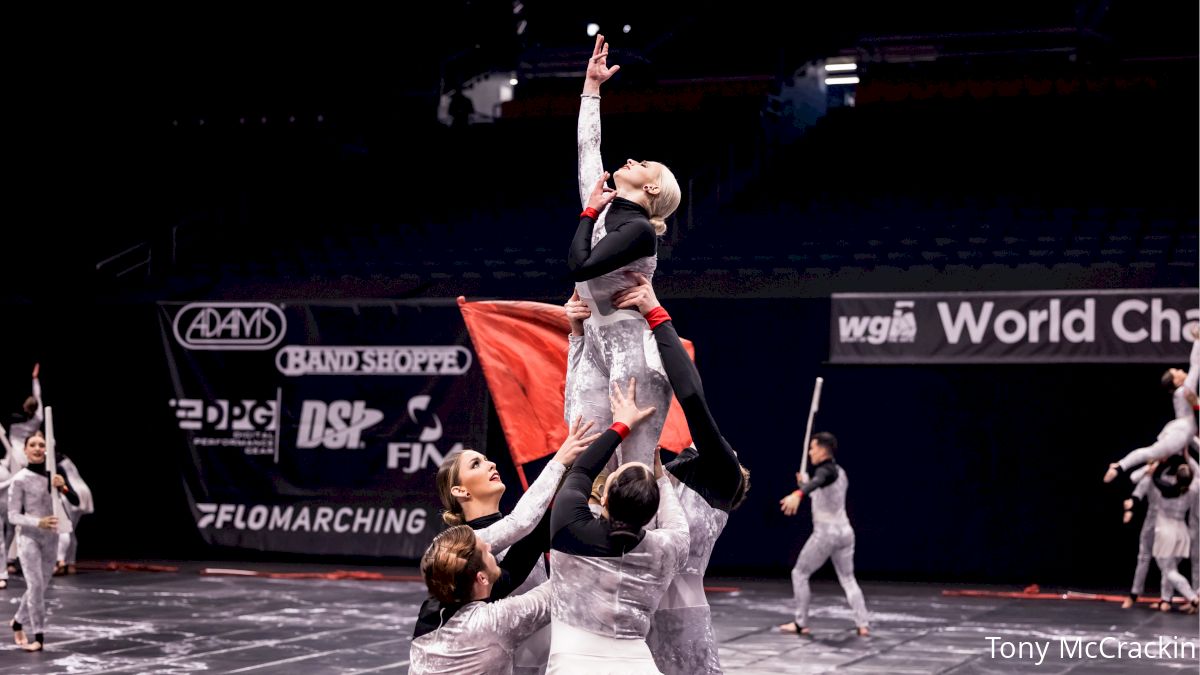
x: 901, y: 326
x: 240, y: 326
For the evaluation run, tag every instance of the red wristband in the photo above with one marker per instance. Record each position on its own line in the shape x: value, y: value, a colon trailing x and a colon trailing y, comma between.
x: 657, y: 316
x: 589, y: 212
x: 621, y: 429
x: 800, y: 493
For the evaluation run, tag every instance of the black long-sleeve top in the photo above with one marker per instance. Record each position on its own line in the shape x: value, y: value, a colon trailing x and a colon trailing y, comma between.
x: 573, y: 528
x: 71, y: 495
x: 629, y: 237
x: 823, y: 474
x: 712, y: 470
x: 1164, y: 476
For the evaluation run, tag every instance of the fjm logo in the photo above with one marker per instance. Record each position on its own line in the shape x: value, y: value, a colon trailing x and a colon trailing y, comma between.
x: 230, y: 326
x: 336, y: 425
x: 422, y: 453
x: 901, y: 326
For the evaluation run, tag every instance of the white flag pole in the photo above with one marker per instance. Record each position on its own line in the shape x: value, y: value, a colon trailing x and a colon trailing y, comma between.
x: 64, y: 523
x: 812, y: 412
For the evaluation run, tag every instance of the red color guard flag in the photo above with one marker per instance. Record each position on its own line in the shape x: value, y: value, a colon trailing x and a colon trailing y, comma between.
x: 522, y: 348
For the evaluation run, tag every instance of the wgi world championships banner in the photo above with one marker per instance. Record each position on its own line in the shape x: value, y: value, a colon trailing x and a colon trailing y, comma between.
x: 318, y: 428
x: 1102, y: 326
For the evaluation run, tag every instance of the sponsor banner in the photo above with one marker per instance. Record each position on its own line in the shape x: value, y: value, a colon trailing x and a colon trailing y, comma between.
x: 319, y: 526
x: 295, y: 360
x: 242, y: 326
x: 302, y: 436
x: 1102, y: 326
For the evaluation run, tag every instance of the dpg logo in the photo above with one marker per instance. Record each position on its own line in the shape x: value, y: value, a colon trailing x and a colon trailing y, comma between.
x: 901, y: 326
x: 224, y: 415
x: 230, y: 326
x: 336, y: 425
x: 423, y: 453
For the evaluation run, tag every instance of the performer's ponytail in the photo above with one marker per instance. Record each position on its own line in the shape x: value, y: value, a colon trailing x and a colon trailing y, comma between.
x: 632, y: 502
x: 447, y: 478
x: 450, y: 565
x: 663, y: 204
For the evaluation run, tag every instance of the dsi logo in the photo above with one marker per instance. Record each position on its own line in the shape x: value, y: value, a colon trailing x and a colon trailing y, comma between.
x: 336, y: 425
x: 231, y: 326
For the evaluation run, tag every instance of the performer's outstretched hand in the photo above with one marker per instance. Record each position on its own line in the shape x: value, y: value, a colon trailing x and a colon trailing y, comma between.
x: 640, y: 295
x: 577, y: 441
x: 791, y: 503
x: 1114, y: 470
x: 36, y: 368
x: 577, y: 312
x: 1127, y: 517
x: 598, y: 70
x: 601, y: 194
x: 624, y: 405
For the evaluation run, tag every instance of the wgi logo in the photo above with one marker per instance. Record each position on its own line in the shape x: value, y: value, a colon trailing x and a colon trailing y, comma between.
x: 901, y: 326
x: 336, y: 425
x: 230, y: 326
x: 423, y: 453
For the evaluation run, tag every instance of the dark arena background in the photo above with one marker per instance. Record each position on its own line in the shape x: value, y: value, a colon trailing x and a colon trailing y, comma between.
x: 976, y: 222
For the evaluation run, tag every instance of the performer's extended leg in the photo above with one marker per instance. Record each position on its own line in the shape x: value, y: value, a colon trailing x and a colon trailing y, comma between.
x: 814, y: 554
x: 843, y: 564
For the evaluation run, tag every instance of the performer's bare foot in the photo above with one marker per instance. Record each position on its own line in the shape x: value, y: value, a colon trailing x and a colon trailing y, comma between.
x: 32, y: 647
x: 1111, y: 474
x: 1127, y: 603
x: 1164, y: 606
x: 791, y: 627
x: 18, y: 634
x: 1192, y: 607
x: 60, y: 569
x: 863, y: 631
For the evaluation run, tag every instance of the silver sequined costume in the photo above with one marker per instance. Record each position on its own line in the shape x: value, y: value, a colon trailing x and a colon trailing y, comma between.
x: 482, y: 636
x: 617, y: 342
x: 832, y: 538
